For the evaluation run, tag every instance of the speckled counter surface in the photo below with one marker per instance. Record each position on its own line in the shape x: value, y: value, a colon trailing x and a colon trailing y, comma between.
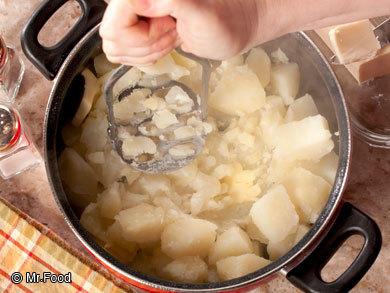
x: 368, y: 186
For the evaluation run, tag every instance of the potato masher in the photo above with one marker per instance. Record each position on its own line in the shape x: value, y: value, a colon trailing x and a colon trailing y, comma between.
x: 163, y: 162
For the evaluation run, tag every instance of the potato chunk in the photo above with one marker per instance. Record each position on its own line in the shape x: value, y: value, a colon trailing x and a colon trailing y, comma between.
x: 178, y: 100
x: 260, y: 64
x: 188, y: 237
x: 115, y: 238
x: 274, y: 214
x: 326, y: 167
x: 301, y: 108
x: 272, y: 115
x: 125, y: 111
x: 307, y: 139
x: 308, y: 192
x: 109, y: 200
x: 93, y: 134
x: 91, y: 91
x: 166, y: 65
x: 136, y: 145
x: 164, y: 118
x: 76, y: 173
x: 232, y: 242
x: 278, y: 249
x: 131, y: 78
x: 187, y: 269
x: 142, y: 223
x: 239, y: 92
x: 90, y: 219
x: 285, y: 78
x: 237, y: 266
x: 102, y: 65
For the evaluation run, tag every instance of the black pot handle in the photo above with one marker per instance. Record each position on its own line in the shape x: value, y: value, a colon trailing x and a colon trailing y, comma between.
x: 49, y: 59
x: 350, y: 221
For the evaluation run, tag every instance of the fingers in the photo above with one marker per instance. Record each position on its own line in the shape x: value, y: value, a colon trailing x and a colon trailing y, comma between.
x: 130, y: 39
x: 145, y: 60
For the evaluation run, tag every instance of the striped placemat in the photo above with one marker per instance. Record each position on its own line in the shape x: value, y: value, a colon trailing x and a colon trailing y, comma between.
x: 34, y: 259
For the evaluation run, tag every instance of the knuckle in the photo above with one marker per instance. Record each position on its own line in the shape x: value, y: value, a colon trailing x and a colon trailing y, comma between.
x: 107, y: 32
x: 113, y: 59
x: 111, y: 49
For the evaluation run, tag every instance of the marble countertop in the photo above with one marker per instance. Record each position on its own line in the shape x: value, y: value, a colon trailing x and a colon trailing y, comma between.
x: 368, y: 186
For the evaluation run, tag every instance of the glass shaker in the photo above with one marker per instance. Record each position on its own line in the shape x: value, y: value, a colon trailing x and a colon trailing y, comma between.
x: 11, y: 72
x: 17, y: 152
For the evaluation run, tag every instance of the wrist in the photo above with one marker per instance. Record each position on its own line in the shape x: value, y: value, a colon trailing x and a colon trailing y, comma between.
x: 274, y: 20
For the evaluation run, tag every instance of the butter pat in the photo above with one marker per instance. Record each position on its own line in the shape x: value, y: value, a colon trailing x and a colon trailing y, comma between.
x: 354, y: 41
x: 377, y: 66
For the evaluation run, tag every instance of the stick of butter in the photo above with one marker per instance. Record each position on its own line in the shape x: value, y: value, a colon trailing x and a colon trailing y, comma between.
x: 377, y: 66
x: 354, y: 41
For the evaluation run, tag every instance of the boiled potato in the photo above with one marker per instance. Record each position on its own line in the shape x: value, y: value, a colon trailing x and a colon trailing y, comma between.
x: 152, y: 184
x: 129, y: 200
x: 272, y: 116
x: 125, y: 110
x: 188, y: 237
x: 254, y: 233
x: 184, y: 61
x: 229, y: 64
x: 308, y: 192
x: 102, y: 65
x: 285, y: 78
x: 239, y: 92
x: 165, y: 65
x: 76, y: 173
x: 258, y: 184
x: 142, y: 223
x: 307, y: 139
x: 232, y: 242
x: 91, y: 91
x: 164, y: 118
x: 129, y: 79
x: 187, y: 269
x: 237, y: 266
x: 114, y: 235
x: 276, y: 250
x: 95, y: 158
x: 260, y: 64
x: 326, y: 167
x: 94, y: 133
x: 274, y: 214
x: 301, y: 108
x: 133, y: 146
x: 109, y: 201
x: 243, y: 186
x: 70, y: 135
x: 206, y: 187
x: 93, y: 223
x: 112, y: 169
x: 178, y: 100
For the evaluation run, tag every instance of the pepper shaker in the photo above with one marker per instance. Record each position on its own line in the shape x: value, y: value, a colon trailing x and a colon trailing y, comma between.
x: 17, y: 152
x: 11, y: 72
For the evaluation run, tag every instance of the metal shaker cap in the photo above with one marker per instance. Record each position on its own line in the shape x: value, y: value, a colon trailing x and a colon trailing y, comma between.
x: 9, y: 127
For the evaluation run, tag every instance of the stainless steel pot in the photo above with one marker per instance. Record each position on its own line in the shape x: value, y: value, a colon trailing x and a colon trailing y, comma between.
x: 303, y: 263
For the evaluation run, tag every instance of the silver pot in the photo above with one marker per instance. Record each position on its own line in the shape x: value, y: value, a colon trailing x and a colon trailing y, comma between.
x: 303, y: 263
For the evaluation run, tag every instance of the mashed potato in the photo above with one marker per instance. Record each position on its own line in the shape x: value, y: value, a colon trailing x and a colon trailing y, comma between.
x: 260, y: 182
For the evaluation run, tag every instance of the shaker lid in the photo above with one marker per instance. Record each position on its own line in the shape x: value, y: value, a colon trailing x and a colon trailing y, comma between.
x: 9, y: 127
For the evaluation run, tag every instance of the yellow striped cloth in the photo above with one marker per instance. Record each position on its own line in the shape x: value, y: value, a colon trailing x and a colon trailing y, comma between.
x: 27, y: 249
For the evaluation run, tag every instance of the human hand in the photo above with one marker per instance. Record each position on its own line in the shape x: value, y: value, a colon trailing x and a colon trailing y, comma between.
x: 139, y: 32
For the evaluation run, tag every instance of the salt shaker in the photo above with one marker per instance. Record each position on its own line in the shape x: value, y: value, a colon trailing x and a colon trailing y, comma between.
x: 11, y: 72
x: 17, y: 152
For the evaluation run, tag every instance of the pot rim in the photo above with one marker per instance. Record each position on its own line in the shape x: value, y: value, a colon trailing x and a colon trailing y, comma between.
x: 283, y: 264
